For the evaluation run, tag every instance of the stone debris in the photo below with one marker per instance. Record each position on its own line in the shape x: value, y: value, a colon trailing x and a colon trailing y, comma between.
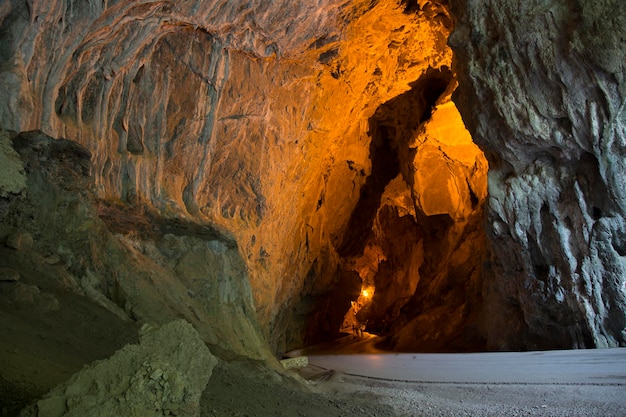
x: 165, y: 374
x: 294, y: 363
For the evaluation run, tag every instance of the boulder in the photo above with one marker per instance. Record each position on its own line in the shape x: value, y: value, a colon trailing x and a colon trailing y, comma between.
x: 165, y: 374
x: 293, y: 363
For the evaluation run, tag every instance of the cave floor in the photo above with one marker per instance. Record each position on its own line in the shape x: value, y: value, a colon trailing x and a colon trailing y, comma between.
x: 482, y: 400
x: 545, y: 383
x: 564, y: 367
x: 40, y: 349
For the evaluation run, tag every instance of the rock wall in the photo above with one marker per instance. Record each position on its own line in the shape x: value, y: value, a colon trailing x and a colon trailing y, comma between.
x: 422, y: 249
x: 134, y: 263
x: 542, y: 90
x: 251, y: 120
x: 277, y: 157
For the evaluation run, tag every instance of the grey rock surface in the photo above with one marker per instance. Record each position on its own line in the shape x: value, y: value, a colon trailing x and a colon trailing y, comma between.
x: 12, y: 179
x: 542, y: 90
x: 165, y: 374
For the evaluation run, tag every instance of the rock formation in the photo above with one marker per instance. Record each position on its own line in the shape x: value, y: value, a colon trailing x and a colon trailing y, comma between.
x: 130, y: 262
x: 252, y: 168
x: 279, y: 125
x: 163, y: 375
x: 548, y: 78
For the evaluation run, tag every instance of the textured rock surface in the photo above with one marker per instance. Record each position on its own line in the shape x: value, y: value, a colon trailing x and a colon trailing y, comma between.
x: 549, y: 80
x: 12, y: 179
x: 165, y: 374
x: 253, y: 120
x: 265, y: 162
x: 135, y: 264
x: 423, y: 257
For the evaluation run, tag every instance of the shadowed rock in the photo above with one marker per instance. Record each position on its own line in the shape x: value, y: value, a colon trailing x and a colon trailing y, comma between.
x: 165, y: 374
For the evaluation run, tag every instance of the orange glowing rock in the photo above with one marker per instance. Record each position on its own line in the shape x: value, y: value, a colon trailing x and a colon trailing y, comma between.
x: 450, y: 171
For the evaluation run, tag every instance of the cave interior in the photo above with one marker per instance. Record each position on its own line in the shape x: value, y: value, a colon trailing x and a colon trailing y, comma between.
x: 280, y: 176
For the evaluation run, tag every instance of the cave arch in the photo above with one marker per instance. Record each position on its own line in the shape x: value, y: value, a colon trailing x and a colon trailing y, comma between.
x: 418, y: 219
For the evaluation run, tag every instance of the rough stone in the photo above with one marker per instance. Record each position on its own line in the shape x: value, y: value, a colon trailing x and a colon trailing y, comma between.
x: 12, y: 178
x: 165, y: 374
x: 166, y: 98
x: 20, y: 241
x: 9, y: 275
x: 543, y: 95
x: 293, y: 363
x: 112, y: 254
x: 291, y: 143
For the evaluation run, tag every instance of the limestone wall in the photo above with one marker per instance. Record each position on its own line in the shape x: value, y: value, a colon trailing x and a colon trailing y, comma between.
x: 542, y: 90
x: 251, y: 119
x: 310, y: 136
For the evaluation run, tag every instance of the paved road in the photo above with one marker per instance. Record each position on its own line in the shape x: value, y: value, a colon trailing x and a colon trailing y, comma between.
x: 596, y: 366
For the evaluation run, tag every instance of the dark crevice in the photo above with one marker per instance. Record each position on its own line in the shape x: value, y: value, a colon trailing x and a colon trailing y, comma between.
x: 474, y: 200
x: 134, y: 140
x: 392, y: 129
x: 541, y: 265
x: 385, y: 167
x: 432, y: 92
x: 619, y: 245
x: 410, y: 6
x: 541, y: 268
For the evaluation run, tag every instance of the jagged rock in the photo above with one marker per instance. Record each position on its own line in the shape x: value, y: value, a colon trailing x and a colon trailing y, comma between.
x: 542, y: 87
x: 165, y: 374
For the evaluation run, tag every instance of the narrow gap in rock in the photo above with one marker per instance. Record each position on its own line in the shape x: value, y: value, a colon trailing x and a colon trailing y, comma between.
x: 385, y: 167
x: 418, y: 213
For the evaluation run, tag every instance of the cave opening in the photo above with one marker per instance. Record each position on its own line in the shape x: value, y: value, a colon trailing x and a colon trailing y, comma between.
x: 418, y: 217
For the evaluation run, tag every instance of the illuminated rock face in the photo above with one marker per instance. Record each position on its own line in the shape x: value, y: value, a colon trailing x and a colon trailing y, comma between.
x: 320, y: 139
x: 542, y: 89
x: 271, y: 123
x: 422, y: 245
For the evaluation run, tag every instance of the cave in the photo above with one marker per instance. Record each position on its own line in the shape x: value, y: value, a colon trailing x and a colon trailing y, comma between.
x: 409, y: 234
x: 267, y: 176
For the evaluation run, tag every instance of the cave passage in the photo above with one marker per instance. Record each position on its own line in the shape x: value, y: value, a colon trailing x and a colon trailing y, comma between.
x: 417, y: 212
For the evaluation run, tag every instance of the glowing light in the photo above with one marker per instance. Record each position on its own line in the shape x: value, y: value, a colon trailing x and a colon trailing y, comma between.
x: 365, y: 293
